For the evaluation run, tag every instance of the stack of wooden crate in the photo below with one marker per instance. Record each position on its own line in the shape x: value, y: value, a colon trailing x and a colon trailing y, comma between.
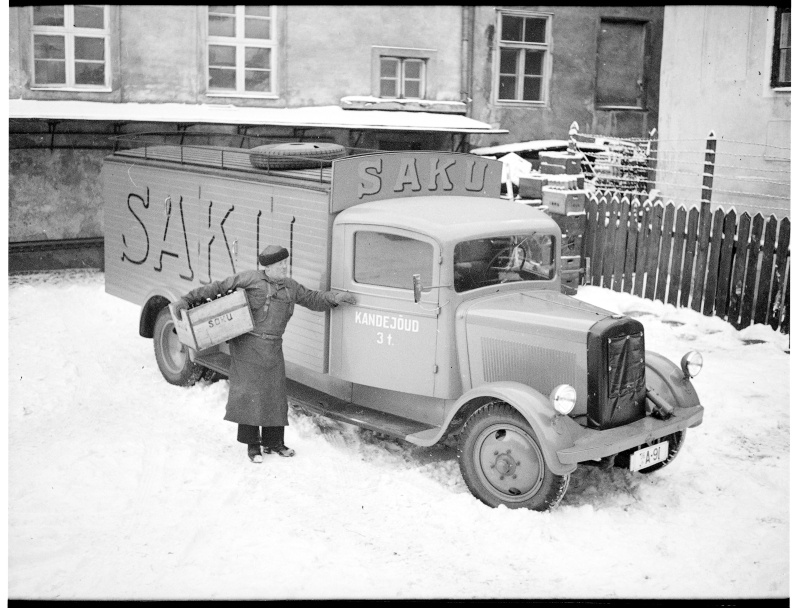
x: 564, y: 198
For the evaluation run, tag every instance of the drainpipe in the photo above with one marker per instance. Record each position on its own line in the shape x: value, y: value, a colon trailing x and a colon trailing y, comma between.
x: 467, y: 54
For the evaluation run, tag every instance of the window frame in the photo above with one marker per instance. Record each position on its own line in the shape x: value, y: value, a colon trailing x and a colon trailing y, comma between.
x: 240, y: 43
x: 775, y: 83
x: 69, y: 32
x: 427, y: 81
x: 547, y: 63
x: 391, y: 232
x: 401, y: 79
x: 464, y: 277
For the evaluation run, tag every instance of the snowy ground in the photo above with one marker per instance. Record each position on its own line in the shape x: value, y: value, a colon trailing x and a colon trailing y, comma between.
x: 123, y: 486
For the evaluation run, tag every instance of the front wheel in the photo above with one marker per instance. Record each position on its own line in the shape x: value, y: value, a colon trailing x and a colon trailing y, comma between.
x: 502, y: 462
x: 171, y: 355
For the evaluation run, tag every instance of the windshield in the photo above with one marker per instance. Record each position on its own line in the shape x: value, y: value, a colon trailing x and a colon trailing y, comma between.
x: 500, y: 259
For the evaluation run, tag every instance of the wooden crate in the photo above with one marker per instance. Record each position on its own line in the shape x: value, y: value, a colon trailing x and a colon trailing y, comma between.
x: 563, y: 202
x: 566, y: 162
x: 571, y: 278
x: 570, y: 262
x: 531, y: 187
x: 214, y: 322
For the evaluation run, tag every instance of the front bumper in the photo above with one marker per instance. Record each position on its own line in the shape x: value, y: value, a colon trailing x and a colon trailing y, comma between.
x: 589, y: 444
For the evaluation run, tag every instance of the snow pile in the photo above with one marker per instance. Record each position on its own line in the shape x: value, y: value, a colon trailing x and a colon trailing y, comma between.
x: 123, y: 486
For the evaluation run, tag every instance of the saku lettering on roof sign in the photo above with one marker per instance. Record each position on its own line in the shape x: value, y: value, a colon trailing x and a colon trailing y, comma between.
x: 360, y: 179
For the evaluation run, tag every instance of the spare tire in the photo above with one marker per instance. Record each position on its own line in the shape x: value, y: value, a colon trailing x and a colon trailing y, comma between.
x: 296, y: 155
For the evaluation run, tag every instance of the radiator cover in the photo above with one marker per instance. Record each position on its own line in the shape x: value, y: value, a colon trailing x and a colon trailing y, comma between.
x: 615, y: 373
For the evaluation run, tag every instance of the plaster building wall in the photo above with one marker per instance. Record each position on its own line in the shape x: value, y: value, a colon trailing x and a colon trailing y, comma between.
x: 159, y: 52
x: 328, y: 48
x: 575, y: 31
x: 55, y: 195
x: 716, y: 70
x: 324, y: 52
x: 16, y: 75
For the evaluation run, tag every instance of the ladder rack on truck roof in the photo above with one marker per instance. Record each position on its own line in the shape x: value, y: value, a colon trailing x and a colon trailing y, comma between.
x: 220, y: 157
x: 169, y: 147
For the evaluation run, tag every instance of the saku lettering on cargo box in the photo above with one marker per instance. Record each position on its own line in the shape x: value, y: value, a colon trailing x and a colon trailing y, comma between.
x: 174, y: 240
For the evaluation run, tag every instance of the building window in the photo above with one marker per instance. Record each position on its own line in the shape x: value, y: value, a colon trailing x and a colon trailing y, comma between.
x: 524, y: 57
x: 620, y: 64
x: 402, y: 77
x: 241, y: 50
x: 401, y: 73
x: 782, y: 48
x: 70, y: 46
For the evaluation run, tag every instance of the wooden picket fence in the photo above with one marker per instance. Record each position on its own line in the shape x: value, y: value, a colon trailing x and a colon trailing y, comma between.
x: 735, y: 267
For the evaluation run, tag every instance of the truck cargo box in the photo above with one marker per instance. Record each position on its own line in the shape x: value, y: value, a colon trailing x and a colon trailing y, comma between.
x: 180, y: 225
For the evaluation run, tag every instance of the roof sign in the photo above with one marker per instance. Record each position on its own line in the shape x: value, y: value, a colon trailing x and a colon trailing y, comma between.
x: 373, y: 177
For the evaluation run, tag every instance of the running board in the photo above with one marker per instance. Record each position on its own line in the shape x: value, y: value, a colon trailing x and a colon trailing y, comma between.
x: 337, y: 409
x: 218, y: 361
x: 331, y: 407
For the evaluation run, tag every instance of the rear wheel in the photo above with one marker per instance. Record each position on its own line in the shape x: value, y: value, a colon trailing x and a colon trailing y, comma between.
x: 503, y: 464
x: 171, y: 355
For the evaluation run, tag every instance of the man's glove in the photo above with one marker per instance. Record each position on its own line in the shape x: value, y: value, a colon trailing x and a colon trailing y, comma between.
x: 347, y: 298
x: 179, y: 305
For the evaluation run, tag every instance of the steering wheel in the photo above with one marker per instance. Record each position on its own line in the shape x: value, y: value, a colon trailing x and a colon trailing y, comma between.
x: 510, y: 252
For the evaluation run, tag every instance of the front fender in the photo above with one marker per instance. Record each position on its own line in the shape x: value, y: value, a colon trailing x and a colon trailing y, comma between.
x: 668, y: 381
x: 537, y: 411
x: 153, y: 303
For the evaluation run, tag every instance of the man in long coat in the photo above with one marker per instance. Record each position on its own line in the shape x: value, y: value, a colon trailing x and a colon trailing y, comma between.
x: 257, y: 393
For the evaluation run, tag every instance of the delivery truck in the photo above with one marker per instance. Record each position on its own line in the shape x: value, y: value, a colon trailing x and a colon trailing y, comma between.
x: 461, y: 332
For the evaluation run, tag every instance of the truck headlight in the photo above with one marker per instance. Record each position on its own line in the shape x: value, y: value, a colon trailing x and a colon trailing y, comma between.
x: 563, y: 398
x: 691, y: 364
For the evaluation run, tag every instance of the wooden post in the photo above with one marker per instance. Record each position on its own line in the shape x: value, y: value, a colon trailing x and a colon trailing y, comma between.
x: 652, y: 153
x: 708, y: 168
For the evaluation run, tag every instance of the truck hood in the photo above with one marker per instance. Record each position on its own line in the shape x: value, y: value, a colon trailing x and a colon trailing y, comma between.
x: 537, y: 338
x: 547, y: 314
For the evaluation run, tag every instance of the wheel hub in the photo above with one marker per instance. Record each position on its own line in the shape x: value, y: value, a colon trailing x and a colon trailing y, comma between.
x: 505, y: 464
x: 173, y: 349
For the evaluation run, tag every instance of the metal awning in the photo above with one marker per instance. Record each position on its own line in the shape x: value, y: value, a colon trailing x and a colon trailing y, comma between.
x: 306, y: 117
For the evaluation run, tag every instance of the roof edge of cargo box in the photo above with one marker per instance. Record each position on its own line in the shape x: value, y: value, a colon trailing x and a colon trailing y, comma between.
x: 334, y: 117
x: 193, y: 158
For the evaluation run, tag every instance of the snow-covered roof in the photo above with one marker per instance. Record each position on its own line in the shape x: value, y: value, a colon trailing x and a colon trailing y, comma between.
x: 322, y: 116
x: 537, y: 145
x: 369, y: 102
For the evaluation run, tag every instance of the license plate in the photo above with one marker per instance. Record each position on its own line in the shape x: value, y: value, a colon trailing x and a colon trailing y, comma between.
x: 647, y: 457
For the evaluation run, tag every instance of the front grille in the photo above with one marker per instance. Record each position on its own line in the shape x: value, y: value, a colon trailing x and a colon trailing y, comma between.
x: 537, y: 366
x: 616, y: 373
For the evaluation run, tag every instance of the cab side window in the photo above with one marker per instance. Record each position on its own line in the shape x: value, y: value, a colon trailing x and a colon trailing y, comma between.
x: 390, y: 260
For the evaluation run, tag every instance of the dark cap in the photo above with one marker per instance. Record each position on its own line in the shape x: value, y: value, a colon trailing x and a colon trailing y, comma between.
x: 272, y: 255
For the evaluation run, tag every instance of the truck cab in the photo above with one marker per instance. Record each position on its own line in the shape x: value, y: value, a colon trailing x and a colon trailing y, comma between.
x: 462, y: 249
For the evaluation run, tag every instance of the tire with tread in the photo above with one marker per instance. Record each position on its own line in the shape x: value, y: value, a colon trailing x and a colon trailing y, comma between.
x: 502, y: 462
x: 295, y: 155
x: 172, y: 356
